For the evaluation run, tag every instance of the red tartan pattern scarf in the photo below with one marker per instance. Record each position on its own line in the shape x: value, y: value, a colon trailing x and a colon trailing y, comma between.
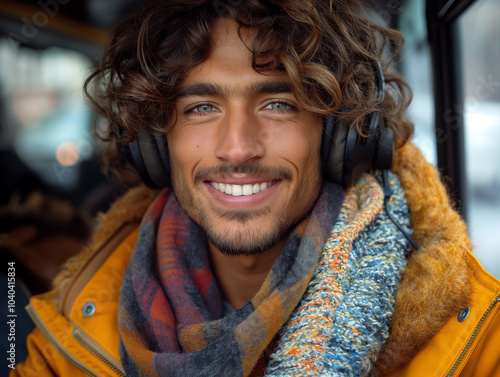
x: 170, y: 314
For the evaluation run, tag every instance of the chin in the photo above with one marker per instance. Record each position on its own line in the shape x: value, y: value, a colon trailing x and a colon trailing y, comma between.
x: 245, y: 239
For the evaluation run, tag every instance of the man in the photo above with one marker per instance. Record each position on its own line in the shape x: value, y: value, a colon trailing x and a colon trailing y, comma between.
x: 255, y: 263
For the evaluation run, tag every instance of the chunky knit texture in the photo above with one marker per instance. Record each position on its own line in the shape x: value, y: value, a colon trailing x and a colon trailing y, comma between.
x: 343, y: 319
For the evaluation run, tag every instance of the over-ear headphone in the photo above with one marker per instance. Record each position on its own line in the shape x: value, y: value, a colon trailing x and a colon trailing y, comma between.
x: 148, y: 154
x: 345, y: 155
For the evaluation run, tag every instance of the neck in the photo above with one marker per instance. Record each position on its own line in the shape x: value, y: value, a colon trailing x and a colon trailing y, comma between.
x: 241, y: 276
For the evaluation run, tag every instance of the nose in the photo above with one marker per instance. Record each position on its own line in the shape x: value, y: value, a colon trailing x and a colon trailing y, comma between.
x: 239, y: 138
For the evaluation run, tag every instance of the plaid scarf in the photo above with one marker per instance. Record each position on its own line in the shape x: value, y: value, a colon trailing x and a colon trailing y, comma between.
x: 170, y: 314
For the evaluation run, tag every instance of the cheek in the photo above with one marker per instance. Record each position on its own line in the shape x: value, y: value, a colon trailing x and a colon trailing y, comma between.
x: 187, y: 149
x: 301, y: 146
x: 179, y: 148
x: 306, y: 158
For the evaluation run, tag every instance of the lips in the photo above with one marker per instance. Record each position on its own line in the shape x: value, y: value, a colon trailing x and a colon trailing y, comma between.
x: 242, y: 190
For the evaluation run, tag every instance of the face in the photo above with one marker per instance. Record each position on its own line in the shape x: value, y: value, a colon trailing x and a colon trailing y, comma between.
x: 245, y: 156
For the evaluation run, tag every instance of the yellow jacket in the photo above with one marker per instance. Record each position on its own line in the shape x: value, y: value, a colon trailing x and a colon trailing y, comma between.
x: 446, y: 320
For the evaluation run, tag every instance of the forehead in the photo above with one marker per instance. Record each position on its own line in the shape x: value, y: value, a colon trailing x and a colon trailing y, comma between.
x: 230, y: 59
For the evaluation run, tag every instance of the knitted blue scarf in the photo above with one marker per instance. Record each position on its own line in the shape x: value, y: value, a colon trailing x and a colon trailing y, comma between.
x: 342, y: 321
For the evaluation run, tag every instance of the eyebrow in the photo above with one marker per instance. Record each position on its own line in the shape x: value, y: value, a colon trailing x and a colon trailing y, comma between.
x: 210, y: 89
x: 203, y: 89
x: 270, y: 87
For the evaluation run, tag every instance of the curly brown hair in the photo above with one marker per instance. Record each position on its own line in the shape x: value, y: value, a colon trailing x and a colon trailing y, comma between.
x: 326, y: 47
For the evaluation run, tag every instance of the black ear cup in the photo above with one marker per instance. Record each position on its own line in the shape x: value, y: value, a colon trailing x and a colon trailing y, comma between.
x: 385, y: 150
x: 345, y: 155
x: 149, y: 145
x: 132, y: 153
x: 333, y: 150
x: 164, y: 177
x: 148, y: 154
x: 350, y: 155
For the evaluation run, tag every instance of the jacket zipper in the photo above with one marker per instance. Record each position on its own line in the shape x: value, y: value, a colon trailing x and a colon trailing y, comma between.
x: 93, y: 351
x: 52, y: 340
x: 473, y: 337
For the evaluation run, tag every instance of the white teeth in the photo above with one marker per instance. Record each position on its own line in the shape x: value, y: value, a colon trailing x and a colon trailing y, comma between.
x: 247, y: 190
x: 239, y: 190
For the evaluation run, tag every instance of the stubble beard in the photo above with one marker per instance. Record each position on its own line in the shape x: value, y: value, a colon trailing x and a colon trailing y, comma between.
x: 244, y: 241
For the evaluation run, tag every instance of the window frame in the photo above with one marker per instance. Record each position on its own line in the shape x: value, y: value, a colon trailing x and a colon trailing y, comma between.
x: 442, y: 29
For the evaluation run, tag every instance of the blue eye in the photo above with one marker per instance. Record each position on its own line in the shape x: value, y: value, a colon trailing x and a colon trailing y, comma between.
x: 204, y: 108
x: 280, y: 106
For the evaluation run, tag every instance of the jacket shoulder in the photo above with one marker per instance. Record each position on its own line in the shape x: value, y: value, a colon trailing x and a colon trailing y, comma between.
x: 127, y: 209
x: 77, y: 331
x: 483, y: 358
x: 467, y: 344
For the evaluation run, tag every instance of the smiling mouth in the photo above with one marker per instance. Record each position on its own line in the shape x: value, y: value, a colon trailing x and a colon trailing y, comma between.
x: 242, y: 190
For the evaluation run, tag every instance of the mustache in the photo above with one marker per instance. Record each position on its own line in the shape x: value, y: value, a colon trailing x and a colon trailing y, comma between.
x: 227, y: 169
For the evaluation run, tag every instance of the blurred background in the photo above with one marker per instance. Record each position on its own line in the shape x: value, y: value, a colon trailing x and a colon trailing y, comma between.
x: 49, y: 156
x: 476, y: 113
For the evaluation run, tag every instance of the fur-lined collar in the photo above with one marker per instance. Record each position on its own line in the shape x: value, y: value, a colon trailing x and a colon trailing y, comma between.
x: 127, y: 209
x: 435, y: 284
